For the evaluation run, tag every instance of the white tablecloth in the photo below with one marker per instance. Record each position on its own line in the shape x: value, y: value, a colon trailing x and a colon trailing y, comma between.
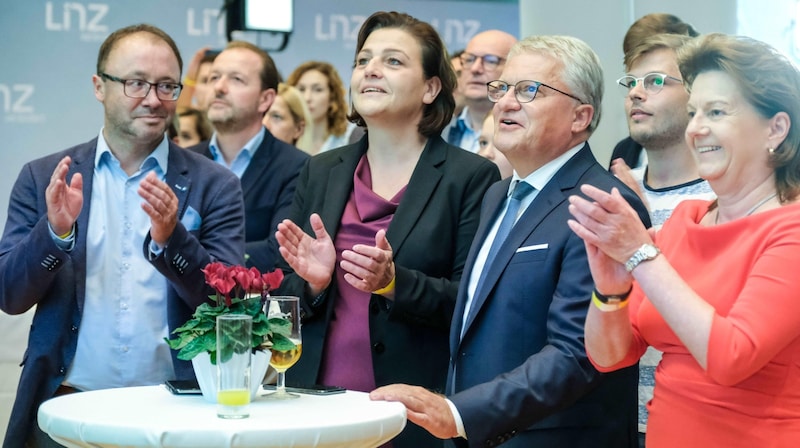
x: 151, y: 416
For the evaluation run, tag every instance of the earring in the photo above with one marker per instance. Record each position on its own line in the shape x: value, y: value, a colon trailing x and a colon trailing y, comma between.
x: 771, y: 150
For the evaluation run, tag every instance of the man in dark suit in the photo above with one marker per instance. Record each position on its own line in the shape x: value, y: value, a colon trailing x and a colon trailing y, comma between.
x: 519, y: 373
x: 244, y: 82
x: 108, y: 238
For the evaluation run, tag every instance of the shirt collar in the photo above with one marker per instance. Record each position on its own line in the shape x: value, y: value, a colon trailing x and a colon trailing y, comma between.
x: 159, y: 156
x: 249, y: 149
x: 463, y: 117
x: 539, y: 178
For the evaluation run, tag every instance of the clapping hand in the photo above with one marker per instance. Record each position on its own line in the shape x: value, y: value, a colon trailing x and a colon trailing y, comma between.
x: 369, y: 268
x: 161, y: 205
x: 64, y: 200
x: 313, y: 259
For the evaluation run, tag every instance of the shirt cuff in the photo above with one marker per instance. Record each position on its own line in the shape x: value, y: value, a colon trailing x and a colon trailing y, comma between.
x: 155, y: 251
x: 457, y: 419
x: 65, y: 244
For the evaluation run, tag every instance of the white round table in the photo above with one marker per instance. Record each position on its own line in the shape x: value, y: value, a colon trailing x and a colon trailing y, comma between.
x: 151, y: 416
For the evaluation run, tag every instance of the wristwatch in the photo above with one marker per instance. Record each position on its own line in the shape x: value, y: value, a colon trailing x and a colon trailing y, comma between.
x: 645, y: 253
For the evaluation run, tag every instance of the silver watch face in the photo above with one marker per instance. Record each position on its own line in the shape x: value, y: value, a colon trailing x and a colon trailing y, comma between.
x: 649, y: 251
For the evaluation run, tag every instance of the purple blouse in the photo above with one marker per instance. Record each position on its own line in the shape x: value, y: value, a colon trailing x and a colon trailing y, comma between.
x: 347, y: 356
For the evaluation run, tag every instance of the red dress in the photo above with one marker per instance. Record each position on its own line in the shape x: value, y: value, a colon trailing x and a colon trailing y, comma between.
x: 749, y: 396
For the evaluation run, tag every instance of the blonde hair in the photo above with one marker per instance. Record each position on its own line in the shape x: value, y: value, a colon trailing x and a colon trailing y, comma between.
x: 299, y: 110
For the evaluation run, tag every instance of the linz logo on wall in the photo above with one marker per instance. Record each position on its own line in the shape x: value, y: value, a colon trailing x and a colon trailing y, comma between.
x: 86, y: 18
x: 456, y: 33
x: 204, y: 22
x: 14, y: 102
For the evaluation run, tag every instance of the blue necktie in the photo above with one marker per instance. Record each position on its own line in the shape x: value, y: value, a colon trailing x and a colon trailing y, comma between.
x: 456, y: 132
x: 520, y: 191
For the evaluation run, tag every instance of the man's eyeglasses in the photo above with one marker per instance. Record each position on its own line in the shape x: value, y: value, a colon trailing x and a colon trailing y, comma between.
x: 524, y: 91
x: 139, y: 88
x: 651, y: 82
x: 489, y: 61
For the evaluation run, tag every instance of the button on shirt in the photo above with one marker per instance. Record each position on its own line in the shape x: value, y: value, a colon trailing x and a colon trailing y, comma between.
x: 242, y: 160
x: 124, y: 320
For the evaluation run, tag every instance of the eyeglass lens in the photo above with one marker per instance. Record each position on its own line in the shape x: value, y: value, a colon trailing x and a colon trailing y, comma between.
x: 524, y: 91
x: 652, y: 82
x: 137, y: 88
x: 489, y: 61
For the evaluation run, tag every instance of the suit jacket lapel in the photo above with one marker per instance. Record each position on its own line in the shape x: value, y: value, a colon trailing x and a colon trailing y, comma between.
x: 492, y: 205
x: 176, y: 176
x: 553, y: 194
x: 83, y: 163
x: 423, y: 182
x: 339, y: 186
x: 258, y: 164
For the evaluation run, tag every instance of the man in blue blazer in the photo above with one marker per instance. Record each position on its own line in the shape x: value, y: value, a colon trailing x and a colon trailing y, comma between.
x: 108, y: 238
x: 519, y: 373
x: 244, y: 82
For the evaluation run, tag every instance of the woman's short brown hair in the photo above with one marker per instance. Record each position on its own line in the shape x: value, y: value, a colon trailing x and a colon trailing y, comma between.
x: 767, y: 80
x: 435, y: 63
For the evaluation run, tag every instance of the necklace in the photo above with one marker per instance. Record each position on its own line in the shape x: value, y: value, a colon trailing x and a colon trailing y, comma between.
x: 753, y: 209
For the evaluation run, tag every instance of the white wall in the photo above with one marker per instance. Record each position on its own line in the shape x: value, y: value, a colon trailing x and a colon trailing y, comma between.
x: 602, y: 24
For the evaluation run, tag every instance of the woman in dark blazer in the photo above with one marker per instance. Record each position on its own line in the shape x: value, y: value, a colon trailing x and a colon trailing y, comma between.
x: 387, y: 223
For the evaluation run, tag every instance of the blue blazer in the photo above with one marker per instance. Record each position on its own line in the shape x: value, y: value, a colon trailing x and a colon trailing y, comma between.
x: 430, y: 235
x: 34, y: 271
x: 520, y: 374
x: 268, y: 186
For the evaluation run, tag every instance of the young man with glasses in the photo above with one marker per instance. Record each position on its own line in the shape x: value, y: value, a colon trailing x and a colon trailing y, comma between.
x: 519, y: 374
x: 646, y: 26
x: 655, y: 106
x: 481, y: 62
x: 108, y: 238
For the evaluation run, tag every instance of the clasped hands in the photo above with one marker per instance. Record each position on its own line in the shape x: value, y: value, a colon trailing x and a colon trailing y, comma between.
x: 367, y: 268
x: 611, y: 231
x: 65, y: 200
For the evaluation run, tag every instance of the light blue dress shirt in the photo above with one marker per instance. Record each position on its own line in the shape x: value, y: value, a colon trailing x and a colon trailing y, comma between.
x: 470, y: 137
x: 242, y: 160
x: 124, y: 320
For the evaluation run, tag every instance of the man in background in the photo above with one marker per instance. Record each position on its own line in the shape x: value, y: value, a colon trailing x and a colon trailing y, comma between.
x: 243, y: 82
x: 108, y: 238
x: 481, y: 62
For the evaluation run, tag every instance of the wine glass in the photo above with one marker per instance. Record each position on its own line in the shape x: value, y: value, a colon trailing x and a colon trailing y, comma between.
x: 284, y: 315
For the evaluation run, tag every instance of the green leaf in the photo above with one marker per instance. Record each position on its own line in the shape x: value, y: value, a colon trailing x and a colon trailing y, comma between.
x: 280, y: 326
x: 281, y: 343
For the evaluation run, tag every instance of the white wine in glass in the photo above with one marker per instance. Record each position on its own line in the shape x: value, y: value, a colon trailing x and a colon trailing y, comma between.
x: 287, y: 309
